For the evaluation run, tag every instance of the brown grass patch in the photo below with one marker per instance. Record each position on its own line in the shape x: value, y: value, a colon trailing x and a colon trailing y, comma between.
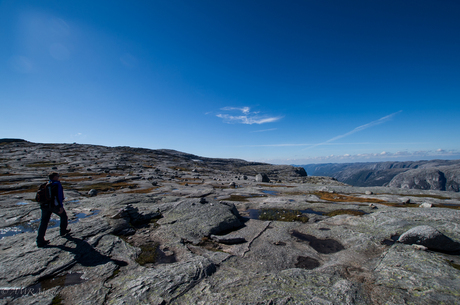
x: 106, y: 186
x: 400, y: 204
x: 179, y: 168
x: 24, y: 189
x: 141, y: 191
x: 45, y: 164
x: 345, y: 198
x: 423, y: 196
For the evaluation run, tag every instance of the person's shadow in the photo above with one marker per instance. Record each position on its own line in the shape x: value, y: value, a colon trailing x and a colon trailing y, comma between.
x: 86, y: 255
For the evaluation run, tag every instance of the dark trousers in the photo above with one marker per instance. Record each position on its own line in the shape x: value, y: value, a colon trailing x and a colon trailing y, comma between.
x: 46, y: 215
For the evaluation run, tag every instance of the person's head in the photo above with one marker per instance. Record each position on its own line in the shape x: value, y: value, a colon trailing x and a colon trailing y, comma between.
x: 54, y: 176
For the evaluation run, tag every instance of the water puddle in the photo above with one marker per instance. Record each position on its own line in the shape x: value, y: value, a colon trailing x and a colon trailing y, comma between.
x: 306, y: 262
x: 32, y: 226
x: 43, y: 285
x: 76, y: 201
x: 79, y: 216
x: 273, y: 193
x: 243, y: 197
x: 257, y: 213
x: 325, y: 246
x: 151, y: 254
x: 22, y: 203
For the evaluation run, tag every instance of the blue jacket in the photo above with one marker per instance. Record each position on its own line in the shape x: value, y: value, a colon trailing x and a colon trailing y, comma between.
x: 58, y: 191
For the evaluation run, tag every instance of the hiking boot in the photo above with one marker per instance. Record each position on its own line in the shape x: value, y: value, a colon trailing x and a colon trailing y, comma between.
x: 67, y: 231
x: 43, y: 243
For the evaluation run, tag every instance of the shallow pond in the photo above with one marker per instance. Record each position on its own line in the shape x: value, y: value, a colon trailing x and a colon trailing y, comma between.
x: 32, y: 226
x: 68, y: 279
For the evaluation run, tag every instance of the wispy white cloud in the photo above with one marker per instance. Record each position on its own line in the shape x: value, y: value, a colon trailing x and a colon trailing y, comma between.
x: 245, y: 110
x: 336, y: 144
x: 373, y: 157
x: 359, y: 128
x: 248, y: 117
x: 271, y: 129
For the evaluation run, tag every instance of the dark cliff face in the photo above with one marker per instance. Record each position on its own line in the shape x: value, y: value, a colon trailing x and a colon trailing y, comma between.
x: 427, y: 175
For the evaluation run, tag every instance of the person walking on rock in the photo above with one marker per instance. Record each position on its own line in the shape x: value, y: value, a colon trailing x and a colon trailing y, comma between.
x: 55, y: 206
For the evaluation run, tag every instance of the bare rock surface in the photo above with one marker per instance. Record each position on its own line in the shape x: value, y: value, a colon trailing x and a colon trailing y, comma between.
x: 166, y: 227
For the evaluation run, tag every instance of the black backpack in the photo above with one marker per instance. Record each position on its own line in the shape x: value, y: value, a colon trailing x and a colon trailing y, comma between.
x: 44, y: 194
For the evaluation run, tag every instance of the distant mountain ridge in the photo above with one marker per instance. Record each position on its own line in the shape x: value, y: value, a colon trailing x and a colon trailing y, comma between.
x: 434, y: 174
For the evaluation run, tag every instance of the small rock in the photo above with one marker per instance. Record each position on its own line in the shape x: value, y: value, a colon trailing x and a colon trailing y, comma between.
x: 203, y: 200
x: 426, y: 205
x: 92, y: 192
x: 372, y: 206
x: 369, y: 193
x: 419, y: 247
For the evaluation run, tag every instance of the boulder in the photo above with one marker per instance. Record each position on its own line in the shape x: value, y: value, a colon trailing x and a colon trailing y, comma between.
x: 429, y: 237
x: 262, y: 178
x: 192, y: 220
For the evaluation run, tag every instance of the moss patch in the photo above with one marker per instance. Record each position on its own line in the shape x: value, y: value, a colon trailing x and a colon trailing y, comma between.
x: 57, y: 300
x: 282, y: 215
x: 456, y: 266
x: 149, y: 254
x: 345, y: 212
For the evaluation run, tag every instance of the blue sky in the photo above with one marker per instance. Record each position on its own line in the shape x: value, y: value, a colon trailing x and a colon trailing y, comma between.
x: 293, y: 82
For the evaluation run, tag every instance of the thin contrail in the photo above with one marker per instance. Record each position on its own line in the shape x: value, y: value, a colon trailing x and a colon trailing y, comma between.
x: 359, y: 128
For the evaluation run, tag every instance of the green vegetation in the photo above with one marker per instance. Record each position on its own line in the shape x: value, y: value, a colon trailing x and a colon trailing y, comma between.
x: 114, y: 274
x: 345, y: 212
x: 106, y: 186
x: 57, y: 300
x: 45, y: 164
x: 456, y: 266
x: 282, y: 215
x: 149, y: 254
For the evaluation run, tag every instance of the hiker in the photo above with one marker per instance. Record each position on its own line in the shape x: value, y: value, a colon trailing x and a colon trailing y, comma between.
x: 54, y: 206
